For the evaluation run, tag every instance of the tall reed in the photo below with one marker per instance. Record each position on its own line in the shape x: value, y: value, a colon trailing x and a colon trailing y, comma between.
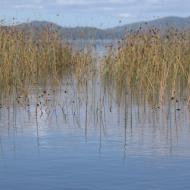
x: 26, y: 59
x: 151, y: 62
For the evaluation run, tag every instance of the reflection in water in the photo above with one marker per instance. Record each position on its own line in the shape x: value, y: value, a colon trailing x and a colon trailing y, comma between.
x: 158, y: 130
x: 80, y: 136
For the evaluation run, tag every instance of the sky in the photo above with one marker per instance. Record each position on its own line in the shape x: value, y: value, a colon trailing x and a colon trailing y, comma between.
x: 97, y: 13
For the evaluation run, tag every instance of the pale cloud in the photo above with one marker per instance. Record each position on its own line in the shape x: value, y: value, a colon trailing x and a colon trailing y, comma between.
x: 90, y: 2
x: 107, y: 8
x: 124, y: 15
x: 74, y: 2
x: 81, y: 12
x: 28, y: 6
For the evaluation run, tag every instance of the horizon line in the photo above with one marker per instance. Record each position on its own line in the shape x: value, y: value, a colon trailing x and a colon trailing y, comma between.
x: 88, y: 26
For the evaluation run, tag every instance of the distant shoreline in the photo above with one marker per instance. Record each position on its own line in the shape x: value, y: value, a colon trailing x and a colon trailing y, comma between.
x: 117, y: 32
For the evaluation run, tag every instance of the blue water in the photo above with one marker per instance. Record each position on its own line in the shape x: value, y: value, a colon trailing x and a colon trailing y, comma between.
x: 97, y: 151
x: 64, y: 157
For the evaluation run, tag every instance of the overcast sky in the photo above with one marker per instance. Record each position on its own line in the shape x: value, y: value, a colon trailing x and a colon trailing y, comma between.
x: 99, y: 13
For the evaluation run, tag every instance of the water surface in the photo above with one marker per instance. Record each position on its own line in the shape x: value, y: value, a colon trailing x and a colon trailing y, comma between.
x: 80, y: 137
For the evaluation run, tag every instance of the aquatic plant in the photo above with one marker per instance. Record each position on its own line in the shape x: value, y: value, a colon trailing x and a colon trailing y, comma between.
x: 151, y: 63
x: 27, y: 60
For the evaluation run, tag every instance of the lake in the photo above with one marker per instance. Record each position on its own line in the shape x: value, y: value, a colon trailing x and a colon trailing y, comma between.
x: 81, y: 137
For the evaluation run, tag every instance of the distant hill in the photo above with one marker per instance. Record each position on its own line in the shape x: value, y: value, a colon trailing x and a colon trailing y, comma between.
x: 162, y: 24
x: 66, y: 32
x: 110, y: 33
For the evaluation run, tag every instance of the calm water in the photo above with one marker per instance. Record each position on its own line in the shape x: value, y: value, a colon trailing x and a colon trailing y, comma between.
x: 85, y: 140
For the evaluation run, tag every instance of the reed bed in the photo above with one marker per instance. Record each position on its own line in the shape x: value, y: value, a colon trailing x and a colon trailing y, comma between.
x: 150, y: 63
x: 27, y: 60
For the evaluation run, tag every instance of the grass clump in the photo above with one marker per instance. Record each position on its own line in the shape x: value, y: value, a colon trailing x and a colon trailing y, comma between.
x: 26, y: 60
x: 150, y: 62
